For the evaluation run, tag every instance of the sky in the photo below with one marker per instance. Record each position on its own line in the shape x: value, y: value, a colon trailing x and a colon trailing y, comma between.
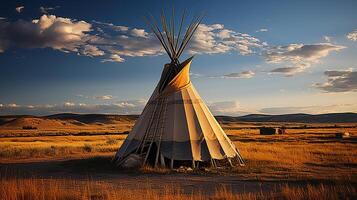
x: 267, y: 57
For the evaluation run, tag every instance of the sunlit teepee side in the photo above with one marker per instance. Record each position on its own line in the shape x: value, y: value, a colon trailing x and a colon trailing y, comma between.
x: 176, y: 127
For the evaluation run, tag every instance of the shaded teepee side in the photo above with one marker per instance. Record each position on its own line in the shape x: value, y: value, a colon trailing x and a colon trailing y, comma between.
x: 176, y: 125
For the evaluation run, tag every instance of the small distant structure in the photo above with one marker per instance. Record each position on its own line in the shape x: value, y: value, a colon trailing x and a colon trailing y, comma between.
x: 342, y: 135
x: 282, y: 130
x: 267, y: 131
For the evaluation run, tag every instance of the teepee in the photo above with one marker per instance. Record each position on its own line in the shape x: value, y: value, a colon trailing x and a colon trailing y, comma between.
x: 176, y: 127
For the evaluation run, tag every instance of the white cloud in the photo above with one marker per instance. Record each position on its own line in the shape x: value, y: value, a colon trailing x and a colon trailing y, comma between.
x: 69, y: 104
x: 231, y: 108
x: 224, y: 107
x: 125, y: 41
x: 196, y: 75
x: 70, y: 35
x: 125, y: 104
x: 327, y: 38
x: 90, y: 50
x: 298, y: 56
x: 211, y: 39
x: 81, y: 96
x: 352, y: 36
x: 116, y: 41
x: 235, y: 75
x: 300, y: 52
x: 112, y: 26
x: 262, y: 30
x: 339, y: 81
x: 19, y: 9
x: 50, y: 31
x: 104, y: 97
x: 139, y: 33
x: 114, y: 58
x: 288, y: 71
x: 120, y: 107
x: 12, y: 105
x: 130, y: 46
x: 243, y: 74
x: 315, y: 109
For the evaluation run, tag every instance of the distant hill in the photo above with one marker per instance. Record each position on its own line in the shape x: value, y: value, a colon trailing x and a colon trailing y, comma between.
x: 75, y: 120
x: 102, y: 124
x: 31, y: 121
x: 6, y: 118
x: 93, y: 118
x: 299, y: 118
x: 65, y: 124
x: 68, y: 120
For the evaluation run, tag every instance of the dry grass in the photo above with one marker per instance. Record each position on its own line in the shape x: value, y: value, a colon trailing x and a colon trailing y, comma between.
x: 46, y: 127
x: 298, y: 155
x: 309, y: 155
x: 57, y: 146
x: 48, y: 189
x: 321, y: 191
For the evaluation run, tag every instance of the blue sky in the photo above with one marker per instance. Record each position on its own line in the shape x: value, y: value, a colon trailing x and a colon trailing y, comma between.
x: 270, y: 57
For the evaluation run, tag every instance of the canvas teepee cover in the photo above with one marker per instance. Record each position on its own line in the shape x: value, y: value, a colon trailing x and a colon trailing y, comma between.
x: 175, y: 124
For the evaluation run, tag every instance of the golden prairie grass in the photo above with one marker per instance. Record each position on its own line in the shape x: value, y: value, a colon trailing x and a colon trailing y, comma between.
x: 298, y: 160
x: 299, y: 155
x: 294, y: 156
x: 57, y: 146
x: 66, y: 130
x: 319, y: 192
x: 48, y: 189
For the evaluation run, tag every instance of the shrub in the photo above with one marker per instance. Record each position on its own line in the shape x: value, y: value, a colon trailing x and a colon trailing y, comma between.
x: 87, y: 148
x: 111, y: 141
x: 29, y: 127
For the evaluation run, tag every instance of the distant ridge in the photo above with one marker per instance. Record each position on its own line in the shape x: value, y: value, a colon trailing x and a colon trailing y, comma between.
x: 92, y: 118
x: 110, y: 118
x: 299, y: 117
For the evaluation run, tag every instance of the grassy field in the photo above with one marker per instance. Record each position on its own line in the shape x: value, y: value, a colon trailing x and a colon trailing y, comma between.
x: 299, y: 155
x: 18, y: 148
x: 302, y: 164
x: 44, y: 189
